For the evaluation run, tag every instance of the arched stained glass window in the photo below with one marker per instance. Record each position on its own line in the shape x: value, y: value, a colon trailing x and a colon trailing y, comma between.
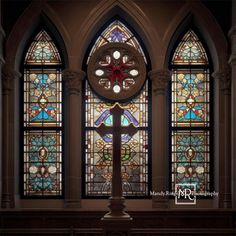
x: 42, y: 118
x: 98, y: 148
x: 190, y: 115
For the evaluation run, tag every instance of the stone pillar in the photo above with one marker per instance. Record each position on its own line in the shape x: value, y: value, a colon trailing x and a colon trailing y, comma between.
x: 2, y: 36
x: 73, y: 133
x: 225, y: 85
x: 9, y: 75
x: 160, y: 160
x: 232, y: 62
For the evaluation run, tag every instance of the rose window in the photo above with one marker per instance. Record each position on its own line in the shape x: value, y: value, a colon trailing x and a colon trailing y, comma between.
x: 116, y: 71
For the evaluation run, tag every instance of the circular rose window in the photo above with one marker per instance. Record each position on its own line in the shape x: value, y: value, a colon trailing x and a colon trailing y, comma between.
x: 116, y: 71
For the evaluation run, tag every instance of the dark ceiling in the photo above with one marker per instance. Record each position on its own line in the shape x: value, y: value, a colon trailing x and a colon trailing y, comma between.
x: 12, y: 9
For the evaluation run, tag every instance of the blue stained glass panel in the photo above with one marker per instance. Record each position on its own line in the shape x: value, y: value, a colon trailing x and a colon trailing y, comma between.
x: 116, y: 35
x: 42, y: 98
x: 126, y: 119
x: 190, y: 98
x: 43, y: 163
x: 105, y: 118
x: 190, y: 159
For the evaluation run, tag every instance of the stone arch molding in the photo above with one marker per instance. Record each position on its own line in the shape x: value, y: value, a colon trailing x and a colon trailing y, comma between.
x: 24, y: 28
x: 208, y: 27
x: 130, y: 12
x: 101, y: 13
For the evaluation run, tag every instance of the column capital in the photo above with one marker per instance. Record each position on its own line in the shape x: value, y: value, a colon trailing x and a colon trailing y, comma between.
x: 232, y: 60
x: 232, y: 32
x: 225, y: 78
x: 160, y: 79
x: 73, y: 80
x: 2, y: 32
x: 2, y: 36
x: 8, y: 77
x: 2, y: 61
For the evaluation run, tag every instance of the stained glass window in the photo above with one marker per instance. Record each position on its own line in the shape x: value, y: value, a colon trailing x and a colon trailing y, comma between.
x: 116, y: 32
x: 98, y: 148
x: 42, y: 51
x: 190, y: 51
x: 42, y: 118
x: 190, y: 114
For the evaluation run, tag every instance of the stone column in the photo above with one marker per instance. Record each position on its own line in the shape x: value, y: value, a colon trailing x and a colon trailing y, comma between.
x: 2, y: 36
x: 160, y: 160
x: 73, y: 133
x: 9, y: 75
x: 232, y: 61
x: 225, y: 85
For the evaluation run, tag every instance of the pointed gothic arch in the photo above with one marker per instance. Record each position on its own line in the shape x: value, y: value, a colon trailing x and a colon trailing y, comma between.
x: 36, y: 14
x: 129, y: 12
x: 195, y: 13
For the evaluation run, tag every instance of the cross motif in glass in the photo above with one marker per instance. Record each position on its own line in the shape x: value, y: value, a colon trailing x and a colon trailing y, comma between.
x: 116, y: 130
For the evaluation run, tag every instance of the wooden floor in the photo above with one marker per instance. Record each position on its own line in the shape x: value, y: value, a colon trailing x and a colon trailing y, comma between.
x: 161, y: 222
